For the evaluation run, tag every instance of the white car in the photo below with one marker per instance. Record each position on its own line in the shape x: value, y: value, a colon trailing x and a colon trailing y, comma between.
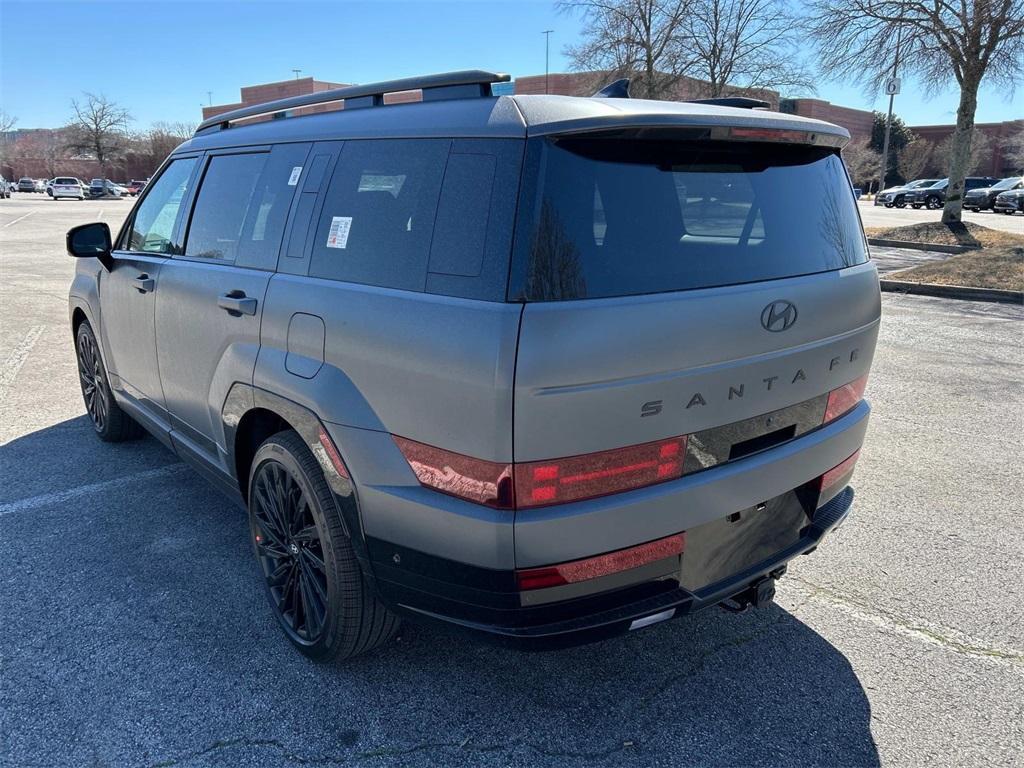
x: 67, y: 186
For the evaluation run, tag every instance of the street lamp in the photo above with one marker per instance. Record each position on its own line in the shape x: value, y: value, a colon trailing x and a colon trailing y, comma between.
x: 547, y: 55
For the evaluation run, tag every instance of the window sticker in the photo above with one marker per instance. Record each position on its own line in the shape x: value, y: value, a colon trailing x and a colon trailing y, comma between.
x: 337, y: 237
x: 294, y: 178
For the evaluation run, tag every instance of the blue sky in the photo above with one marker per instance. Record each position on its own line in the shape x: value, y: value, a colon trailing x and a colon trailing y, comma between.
x: 160, y: 57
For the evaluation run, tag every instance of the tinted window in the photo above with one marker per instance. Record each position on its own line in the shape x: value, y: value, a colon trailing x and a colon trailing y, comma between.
x: 153, y: 226
x: 616, y: 218
x: 225, y: 195
x: 378, y: 215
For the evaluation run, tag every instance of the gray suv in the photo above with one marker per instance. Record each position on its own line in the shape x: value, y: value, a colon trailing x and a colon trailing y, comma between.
x: 545, y: 368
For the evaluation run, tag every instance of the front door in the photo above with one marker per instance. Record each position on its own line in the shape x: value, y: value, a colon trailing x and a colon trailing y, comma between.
x: 211, y: 296
x: 127, y: 292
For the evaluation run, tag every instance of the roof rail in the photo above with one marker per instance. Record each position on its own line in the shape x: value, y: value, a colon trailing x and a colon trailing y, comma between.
x: 463, y: 84
x: 740, y: 102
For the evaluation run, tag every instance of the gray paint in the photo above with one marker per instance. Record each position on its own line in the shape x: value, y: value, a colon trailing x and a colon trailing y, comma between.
x: 586, y: 368
x: 435, y: 369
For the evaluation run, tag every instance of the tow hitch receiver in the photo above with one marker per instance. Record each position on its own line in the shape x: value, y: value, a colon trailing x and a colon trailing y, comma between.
x: 757, y: 595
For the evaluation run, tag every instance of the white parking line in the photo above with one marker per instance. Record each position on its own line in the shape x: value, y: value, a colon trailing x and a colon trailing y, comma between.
x: 17, y: 359
x: 61, y: 497
x: 9, y: 223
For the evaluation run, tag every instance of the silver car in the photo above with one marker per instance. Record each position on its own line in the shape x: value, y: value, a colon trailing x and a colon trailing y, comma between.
x: 545, y: 368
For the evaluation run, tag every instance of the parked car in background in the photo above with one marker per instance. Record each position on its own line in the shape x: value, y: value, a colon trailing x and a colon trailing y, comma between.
x: 895, y: 196
x: 68, y: 187
x: 1009, y: 202
x: 515, y: 366
x: 40, y: 185
x: 934, y: 197
x: 984, y: 198
x: 5, y: 188
x: 135, y: 187
x: 26, y: 184
x: 105, y: 188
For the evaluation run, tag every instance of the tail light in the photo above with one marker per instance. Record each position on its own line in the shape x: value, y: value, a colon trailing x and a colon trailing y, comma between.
x: 540, y: 483
x: 598, y: 474
x: 484, y: 482
x: 842, y: 399
x: 603, y: 565
x: 839, y: 473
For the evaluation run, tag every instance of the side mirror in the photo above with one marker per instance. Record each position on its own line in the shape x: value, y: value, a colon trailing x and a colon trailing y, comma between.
x: 90, y: 241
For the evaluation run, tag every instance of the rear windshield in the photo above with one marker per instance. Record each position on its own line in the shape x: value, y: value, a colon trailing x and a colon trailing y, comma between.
x: 608, y: 217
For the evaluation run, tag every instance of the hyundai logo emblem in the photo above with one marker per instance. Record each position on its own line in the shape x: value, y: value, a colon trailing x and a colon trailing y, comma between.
x: 778, y: 316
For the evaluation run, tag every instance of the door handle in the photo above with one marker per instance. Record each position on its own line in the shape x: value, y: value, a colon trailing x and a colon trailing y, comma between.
x: 236, y: 303
x: 144, y: 283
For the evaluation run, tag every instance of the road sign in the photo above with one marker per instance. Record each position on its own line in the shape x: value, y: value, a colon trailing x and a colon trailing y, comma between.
x: 892, y: 86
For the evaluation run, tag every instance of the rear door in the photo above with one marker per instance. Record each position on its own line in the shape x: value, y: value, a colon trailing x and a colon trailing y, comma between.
x: 677, y: 287
x: 211, y: 296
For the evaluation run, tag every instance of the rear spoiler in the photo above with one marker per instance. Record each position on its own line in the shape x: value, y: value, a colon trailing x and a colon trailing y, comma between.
x: 619, y: 89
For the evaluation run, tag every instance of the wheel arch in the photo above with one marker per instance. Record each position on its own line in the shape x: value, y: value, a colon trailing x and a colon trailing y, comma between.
x: 251, y: 415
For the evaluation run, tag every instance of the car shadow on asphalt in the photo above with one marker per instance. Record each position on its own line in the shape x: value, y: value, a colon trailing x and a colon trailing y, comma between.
x: 136, y: 629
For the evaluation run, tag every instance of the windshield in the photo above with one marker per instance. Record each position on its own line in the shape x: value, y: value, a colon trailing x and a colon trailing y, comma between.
x: 920, y: 183
x: 1007, y: 183
x: 615, y: 218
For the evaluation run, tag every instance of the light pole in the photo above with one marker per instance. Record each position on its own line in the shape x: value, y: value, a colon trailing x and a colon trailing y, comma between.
x: 547, y: 55
x: 209, y: 98
x: 296, y: 71
x: 892, y: 87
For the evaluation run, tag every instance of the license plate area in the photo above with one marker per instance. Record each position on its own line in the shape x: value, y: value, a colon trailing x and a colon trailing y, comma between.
x: 718, y: 549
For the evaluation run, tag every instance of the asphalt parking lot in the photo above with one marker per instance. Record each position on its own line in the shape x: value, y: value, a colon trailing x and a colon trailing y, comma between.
x: 133, y: 628
x: 880, y: 216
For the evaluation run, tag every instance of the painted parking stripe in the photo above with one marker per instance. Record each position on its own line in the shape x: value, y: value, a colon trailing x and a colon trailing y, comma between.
x: 9, y: 223
x: 70, y: 494
x: 17, y: 359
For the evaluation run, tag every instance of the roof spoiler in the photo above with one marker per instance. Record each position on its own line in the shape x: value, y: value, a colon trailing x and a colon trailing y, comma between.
x: 739, y: 102
x: 469, y: 83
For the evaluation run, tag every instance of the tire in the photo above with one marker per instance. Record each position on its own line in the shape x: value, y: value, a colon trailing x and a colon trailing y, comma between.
x: 112, y: 425
x: 314, y: 583
x: 933, y: 203
x: 915, y: 207
x: 887, y: 205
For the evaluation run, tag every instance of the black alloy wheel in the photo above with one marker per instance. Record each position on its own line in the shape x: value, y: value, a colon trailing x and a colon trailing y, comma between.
x: 934, y: 203
x: 290, y: 550
x: 95, y: 390
x: 110, y: 422
x: 315, y: 585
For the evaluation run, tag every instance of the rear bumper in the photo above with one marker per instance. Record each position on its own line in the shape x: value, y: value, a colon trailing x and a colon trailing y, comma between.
x: 592, y: 618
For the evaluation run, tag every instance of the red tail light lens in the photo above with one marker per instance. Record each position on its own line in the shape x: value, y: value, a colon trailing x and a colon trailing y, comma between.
x: 842, y: 399
x: 483, y: 482
x: 837, y: 473
x: 603, y: 565
x: 598, y: 474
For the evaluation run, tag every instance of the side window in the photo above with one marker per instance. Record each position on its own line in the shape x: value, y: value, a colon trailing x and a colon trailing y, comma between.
x: 378, y: 214
x: 226, y: 195
x: 152, y: 228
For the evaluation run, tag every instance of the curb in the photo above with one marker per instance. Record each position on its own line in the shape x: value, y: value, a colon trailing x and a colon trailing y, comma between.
x: 953, y: 291
x: 937, y: 247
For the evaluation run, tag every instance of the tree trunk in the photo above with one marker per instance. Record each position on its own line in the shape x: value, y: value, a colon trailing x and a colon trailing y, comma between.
x: 960, y: 149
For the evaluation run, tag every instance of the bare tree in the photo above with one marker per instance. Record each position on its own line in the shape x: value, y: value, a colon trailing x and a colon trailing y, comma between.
x: 162, y: 138
x: 99, y: 128
x: 641, y: 39
x: 971, y: 40
x: 7, y: 122
x: 1013, y: 152
x: 861, y: 160
x: 979, y: 159
x: 914, y: 160
x: 745, y: 44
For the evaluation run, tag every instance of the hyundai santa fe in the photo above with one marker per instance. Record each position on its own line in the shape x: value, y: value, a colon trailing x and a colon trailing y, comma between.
x: 545, y: 368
